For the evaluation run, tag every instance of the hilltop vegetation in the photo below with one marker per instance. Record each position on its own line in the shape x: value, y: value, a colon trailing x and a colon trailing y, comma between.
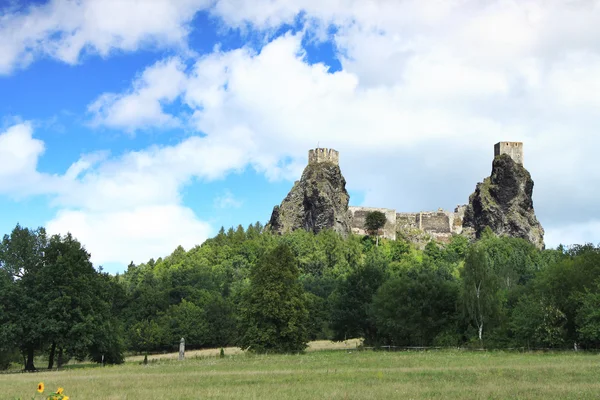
x: 269, y: 292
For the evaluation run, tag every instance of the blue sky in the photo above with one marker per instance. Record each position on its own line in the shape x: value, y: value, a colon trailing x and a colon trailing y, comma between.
x: 140, y: 126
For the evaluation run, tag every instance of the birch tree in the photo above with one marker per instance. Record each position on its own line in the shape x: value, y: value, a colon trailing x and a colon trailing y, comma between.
x: 480, y: 287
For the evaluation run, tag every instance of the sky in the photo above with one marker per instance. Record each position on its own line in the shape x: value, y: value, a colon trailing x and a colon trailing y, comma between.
x: 139, y: 126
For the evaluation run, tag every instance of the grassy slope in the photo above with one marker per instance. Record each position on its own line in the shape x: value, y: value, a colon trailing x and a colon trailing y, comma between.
x: 331, y: 375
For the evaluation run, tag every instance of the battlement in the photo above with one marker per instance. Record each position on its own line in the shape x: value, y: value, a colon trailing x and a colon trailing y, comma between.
x: 513, y: 149
x: 321, y: 154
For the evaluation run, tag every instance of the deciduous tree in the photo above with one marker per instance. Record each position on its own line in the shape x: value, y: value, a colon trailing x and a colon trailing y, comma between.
x: 374, y: 221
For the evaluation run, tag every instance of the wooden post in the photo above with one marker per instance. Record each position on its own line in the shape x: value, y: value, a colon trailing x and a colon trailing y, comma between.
x: 181, y: 349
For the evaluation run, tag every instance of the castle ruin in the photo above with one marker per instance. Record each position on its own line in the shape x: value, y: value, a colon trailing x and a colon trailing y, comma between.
x: 319, y: 200
x: 439, y: 225
x: 513, y: 149
x: 321, y: 154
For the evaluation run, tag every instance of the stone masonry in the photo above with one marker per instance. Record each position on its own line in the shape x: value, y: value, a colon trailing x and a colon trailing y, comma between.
x: 359, y: 214
x: 513, y: 149
x: 440, y: 224
x: 320, y: 155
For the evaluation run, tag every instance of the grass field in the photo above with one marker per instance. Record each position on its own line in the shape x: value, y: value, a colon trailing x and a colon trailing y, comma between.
x: 330, y: 374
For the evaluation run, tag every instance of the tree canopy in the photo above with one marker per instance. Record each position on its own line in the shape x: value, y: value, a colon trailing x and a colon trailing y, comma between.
x: 374, y: 221
x: 273, y: 293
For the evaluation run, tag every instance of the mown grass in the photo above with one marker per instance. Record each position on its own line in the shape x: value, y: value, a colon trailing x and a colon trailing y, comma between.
x: 341, y: 374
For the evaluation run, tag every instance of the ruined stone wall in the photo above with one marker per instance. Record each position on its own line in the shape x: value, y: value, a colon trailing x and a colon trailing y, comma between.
x: 407, y: 221
x: 513, y: 149
x: 457, y: 219
x: 437, y: 222
x: 321, y: 154
x: 359, y: 214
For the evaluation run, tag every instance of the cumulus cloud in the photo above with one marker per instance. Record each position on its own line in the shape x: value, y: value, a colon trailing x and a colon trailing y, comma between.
x: 141, y: 106
x: 64, y: 29
x: 20, y: 152
x: 135, y: 234
x: 425, y: 90
x: 128, y: 207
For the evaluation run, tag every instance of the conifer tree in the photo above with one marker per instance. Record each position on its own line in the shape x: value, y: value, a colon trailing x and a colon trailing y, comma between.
x: 274, y: 314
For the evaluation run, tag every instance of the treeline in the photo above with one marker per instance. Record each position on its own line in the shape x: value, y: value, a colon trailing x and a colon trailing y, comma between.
x: 266, y: 292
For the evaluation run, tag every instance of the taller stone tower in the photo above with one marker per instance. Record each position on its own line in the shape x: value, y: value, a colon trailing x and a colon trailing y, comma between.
x: 503, y: 201
x: 512, y: 149
x: 317, y: 201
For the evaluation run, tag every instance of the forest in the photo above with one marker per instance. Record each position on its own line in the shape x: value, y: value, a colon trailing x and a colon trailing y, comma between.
x: 273, y: 293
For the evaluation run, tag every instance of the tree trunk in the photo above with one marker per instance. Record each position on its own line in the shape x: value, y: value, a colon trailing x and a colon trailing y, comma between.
x: 480, y: 332
x: 51, y: 357
x: 29, y: 363
x: 60, y: 357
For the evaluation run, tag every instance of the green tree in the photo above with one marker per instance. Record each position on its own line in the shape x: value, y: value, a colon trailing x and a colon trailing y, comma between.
x: 588, y: 317
x: 414, y: 308
x: 188, y: 320
x: 351, y: 315
x: 22, y: 258
x: 7, y: 325
x: 537, y: 322
x: 274, y: 314
x: 59, y: 300
x: 219, y: 314
x: 147, y: 335
x: 374, y: 221
x: 76, y: 297
x: 571, y: 284
x: 479, y: 289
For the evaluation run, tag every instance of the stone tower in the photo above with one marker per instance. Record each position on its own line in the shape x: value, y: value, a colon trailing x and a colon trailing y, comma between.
x: 317, y: 201
x: 513, y: 149
x: 320, y: 155
x: 504, y: 200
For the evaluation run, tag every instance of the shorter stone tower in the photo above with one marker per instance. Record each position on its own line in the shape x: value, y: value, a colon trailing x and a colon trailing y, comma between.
x: 504, y: 200
x: 513, y: 149
x: 320, y: 155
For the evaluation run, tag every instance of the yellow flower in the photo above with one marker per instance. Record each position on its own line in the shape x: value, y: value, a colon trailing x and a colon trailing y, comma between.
x: 41, y: 387
x: 60, y: 390
x: 65, y: 397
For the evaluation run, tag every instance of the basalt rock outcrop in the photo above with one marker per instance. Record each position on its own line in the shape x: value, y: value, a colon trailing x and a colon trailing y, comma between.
x: 317, y: 201
x: 503, y: 201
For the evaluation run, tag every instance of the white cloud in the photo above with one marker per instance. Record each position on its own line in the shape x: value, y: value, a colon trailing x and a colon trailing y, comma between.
x: 132, y: 235
x: 141, y: 106
x: 130, y: 208
x: 19, y: 155
x: 227, y: 200
x: 64, y: 29
x: 125, y: 207
x: 19, y: 152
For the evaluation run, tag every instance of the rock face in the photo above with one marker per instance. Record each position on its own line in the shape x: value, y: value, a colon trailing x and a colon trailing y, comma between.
x: 317, y: 201
x: 504, y: 202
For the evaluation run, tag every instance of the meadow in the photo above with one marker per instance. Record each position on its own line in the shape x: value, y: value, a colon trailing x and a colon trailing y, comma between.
x: 329, y: 374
